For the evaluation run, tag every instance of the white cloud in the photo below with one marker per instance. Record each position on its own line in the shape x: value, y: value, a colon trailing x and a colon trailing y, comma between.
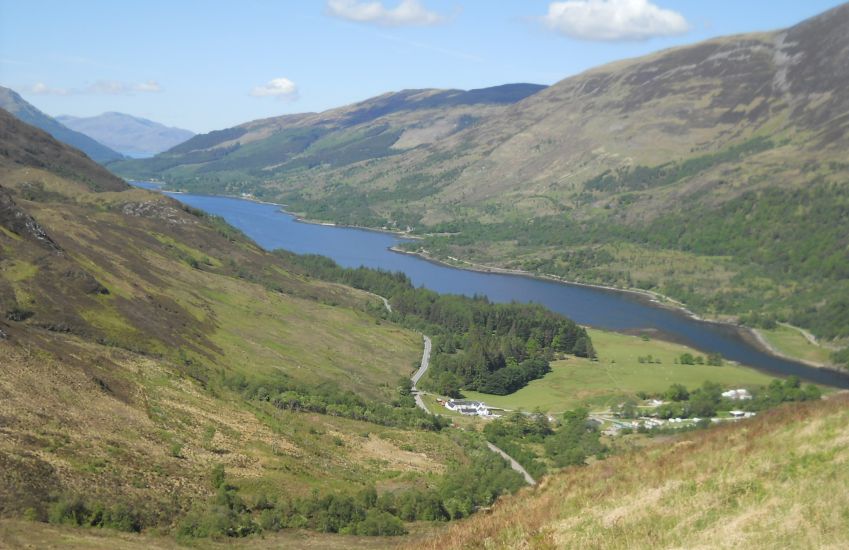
x: 40, y: 88
x: 281, y: 88
x: 613, y: 20
x: 108, y: 87
x: 407, y: 12
x: 151, y: 86
x: 105, y: 87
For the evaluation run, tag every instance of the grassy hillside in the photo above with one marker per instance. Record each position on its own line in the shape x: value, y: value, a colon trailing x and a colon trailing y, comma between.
x: 160, y: 370
x: 762, y: 483
x: 25, y: 534
x: 757, y: 483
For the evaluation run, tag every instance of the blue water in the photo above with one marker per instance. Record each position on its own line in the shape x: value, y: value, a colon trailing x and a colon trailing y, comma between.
x: 613, y: 310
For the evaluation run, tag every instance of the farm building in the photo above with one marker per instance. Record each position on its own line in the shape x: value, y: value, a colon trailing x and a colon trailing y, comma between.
x: 467, y: 407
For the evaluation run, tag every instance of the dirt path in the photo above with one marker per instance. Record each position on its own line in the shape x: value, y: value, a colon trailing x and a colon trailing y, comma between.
x: 811, y: 338
x: 513, y: 464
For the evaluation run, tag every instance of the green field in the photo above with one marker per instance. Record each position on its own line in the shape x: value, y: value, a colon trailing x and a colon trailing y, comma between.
x: 616, y: 375
x: 792, y: 342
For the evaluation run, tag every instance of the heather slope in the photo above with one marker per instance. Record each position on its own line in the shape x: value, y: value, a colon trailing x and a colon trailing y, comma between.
x: 142, y: 344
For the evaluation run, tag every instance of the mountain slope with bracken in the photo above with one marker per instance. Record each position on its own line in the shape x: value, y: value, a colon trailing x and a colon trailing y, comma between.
x: 241, y: 158
x: 141, y: 341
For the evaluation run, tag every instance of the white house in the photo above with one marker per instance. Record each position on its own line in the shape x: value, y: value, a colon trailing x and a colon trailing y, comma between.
x: 737, y: 395
x: 467, y: 407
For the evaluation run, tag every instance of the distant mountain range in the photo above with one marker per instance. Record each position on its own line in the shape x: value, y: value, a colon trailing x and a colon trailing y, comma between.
x: 714, y: 173
x: 129, y: 135
x: 12, y: 102
x: 384, y: 126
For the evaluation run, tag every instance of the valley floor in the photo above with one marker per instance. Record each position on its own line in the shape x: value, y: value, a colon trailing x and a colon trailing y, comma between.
x: 618, y: 374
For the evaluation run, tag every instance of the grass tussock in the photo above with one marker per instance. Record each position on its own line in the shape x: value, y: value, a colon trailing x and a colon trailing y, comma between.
x: 775, y: 481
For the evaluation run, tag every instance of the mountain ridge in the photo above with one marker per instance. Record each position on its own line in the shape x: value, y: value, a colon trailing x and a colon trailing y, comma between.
x: 381, y: 126
x: 23, y: 145
x: 129, y: 135
x: 12, y: 102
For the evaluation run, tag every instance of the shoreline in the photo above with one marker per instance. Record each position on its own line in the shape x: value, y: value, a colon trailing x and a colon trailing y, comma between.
x: 656, y: 298
x: 298, y: 216
x: 761, y: 340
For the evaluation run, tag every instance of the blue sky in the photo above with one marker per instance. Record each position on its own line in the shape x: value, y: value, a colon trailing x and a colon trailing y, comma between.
x: 205, y: 65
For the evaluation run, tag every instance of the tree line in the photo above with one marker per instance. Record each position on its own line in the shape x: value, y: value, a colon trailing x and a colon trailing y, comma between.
x: 328, y: 398
x: 467, y: 486
x: 568, y: 441
x: 478, y: 345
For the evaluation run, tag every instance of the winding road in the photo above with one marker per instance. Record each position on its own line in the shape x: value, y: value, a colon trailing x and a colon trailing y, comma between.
x: 425, y: 362
x: 419, y: 373
x: 513, y: 464
x: 418, y: 396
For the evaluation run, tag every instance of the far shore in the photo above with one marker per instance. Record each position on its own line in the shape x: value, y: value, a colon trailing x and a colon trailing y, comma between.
x: 656, y: 298
x: 759, y: 338
x: 298, y: 216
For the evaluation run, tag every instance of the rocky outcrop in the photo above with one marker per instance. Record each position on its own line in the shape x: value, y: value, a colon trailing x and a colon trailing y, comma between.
x: 13, y: 218
x: 158, y: 210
